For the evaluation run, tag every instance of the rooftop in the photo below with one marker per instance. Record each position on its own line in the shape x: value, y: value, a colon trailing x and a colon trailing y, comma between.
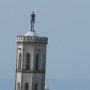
x: 31, y: 33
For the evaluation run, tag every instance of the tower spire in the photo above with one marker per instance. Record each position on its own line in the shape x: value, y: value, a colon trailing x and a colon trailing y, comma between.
x: 32, y: 21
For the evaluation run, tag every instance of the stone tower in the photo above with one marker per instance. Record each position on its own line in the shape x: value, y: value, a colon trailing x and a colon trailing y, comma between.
x: 31, y: 60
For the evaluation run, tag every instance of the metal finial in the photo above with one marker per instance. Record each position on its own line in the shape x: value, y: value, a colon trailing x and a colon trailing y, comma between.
x: 32, y: 21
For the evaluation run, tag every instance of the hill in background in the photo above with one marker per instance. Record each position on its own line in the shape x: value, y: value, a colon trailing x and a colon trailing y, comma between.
x: 53, y: 84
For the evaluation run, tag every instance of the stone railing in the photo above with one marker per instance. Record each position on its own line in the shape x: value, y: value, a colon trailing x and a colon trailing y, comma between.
x: 32, y: 39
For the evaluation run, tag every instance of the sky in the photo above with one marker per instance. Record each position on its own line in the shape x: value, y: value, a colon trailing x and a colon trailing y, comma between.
x: 66, y: 23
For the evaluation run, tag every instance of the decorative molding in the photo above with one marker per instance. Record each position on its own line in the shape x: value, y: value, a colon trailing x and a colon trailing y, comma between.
x: 32, y: 39
x: 31, y: 71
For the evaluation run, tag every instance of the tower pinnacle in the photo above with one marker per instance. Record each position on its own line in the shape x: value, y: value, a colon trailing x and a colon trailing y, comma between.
x: 32, y: 21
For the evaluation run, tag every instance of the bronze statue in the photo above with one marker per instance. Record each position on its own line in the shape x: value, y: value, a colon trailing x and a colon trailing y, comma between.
x: 32, y: 21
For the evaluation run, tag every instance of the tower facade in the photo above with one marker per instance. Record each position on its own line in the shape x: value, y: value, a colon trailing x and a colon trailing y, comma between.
x: 31, y: 61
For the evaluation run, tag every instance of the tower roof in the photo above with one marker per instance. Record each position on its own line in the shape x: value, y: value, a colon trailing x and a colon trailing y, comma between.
x: 31, y: 33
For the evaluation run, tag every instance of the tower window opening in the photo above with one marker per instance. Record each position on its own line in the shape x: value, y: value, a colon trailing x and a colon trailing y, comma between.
x: 28, y: 61
x: 37, y: 62
x: 26, y: 86
x: 18, y: 86
x: 19, y: 61
x: 36, y: 87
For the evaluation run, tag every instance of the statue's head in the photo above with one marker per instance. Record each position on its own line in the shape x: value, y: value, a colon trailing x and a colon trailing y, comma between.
x: 32, y: 12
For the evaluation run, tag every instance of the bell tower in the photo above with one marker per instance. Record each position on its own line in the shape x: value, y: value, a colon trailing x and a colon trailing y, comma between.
x: 31, y: 60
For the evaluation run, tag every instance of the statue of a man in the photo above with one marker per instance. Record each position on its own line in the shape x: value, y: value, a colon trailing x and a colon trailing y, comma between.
x: 32, y: 21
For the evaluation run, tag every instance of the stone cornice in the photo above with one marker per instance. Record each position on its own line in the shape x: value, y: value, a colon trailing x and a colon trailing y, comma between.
x: 31, y: 71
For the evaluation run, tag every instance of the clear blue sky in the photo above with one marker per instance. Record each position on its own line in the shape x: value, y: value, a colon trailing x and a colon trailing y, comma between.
x: 65, y: 22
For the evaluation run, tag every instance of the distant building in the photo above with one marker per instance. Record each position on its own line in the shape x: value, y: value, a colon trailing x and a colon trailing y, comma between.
x: 31, y: 60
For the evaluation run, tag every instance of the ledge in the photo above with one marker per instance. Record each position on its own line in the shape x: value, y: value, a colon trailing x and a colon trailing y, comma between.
x: 31, y: 71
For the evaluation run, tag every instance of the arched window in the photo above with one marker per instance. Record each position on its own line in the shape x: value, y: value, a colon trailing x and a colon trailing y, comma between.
x: 27, y: 61
x: 37, y: 62
x: 36, y: 87
x: 26, y: 86
x: 18, y: 86
x: 19, y: 61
